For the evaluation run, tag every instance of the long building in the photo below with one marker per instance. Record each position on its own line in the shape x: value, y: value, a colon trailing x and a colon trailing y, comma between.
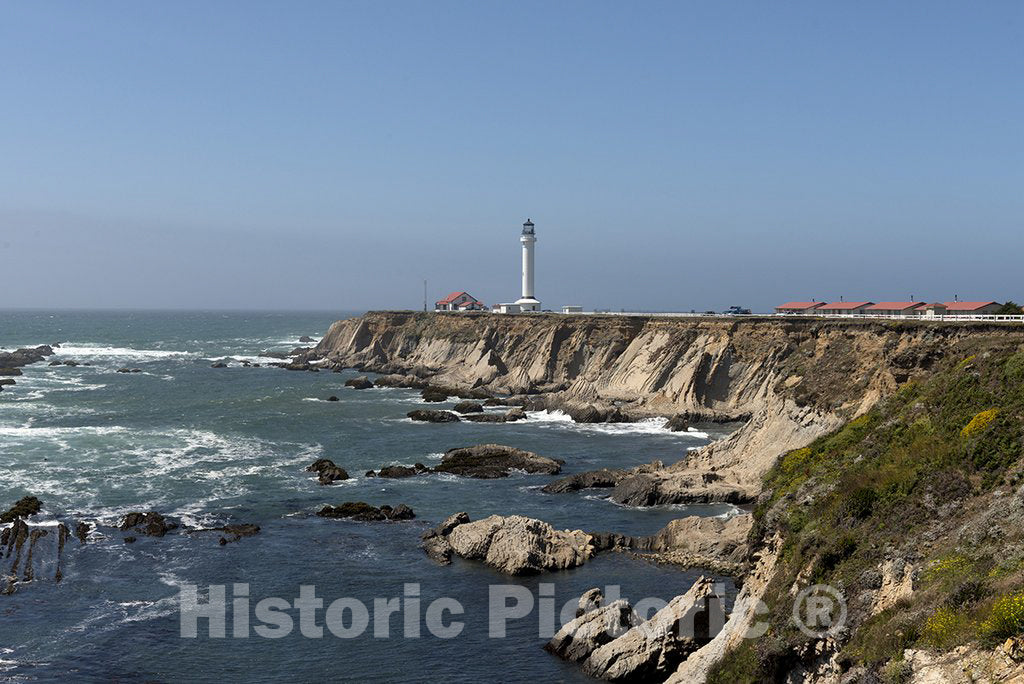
x: 911, y: 308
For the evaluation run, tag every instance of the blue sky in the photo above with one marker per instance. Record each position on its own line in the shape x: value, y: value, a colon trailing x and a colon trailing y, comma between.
x: 673, y: 155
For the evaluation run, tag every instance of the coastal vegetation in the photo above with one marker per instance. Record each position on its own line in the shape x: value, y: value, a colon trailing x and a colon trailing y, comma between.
x: 913, y: 510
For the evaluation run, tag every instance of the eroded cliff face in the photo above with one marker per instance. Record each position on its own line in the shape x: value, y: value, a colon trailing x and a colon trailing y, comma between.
x: 793, y: 379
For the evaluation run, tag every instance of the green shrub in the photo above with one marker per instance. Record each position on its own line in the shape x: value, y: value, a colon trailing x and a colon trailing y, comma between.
x: 944, y: 628
x: 979, y: 422
x: 1005, y: 620
x: 861, y: 502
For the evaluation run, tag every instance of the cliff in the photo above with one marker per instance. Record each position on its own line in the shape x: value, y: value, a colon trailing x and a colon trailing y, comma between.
x: 792, y: 380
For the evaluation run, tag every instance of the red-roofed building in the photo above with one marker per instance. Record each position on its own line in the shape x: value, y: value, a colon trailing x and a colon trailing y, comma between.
x: 969, y: 308
x: 844, y: 308
x: 459, y: 301
x: 798, y: 307
x: 896, y: 308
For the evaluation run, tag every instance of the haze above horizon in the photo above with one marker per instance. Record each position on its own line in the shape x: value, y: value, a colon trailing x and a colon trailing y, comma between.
x: 673, y: 156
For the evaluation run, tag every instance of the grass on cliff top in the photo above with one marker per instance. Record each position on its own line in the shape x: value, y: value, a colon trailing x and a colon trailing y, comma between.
x: 914, y: 481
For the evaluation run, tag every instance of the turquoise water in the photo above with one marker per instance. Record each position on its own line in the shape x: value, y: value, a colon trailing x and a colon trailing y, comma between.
x: 216, y: 446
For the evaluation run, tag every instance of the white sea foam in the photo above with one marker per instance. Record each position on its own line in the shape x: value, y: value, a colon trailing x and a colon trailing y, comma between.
x: 649, y: 426
x: 92, y: 351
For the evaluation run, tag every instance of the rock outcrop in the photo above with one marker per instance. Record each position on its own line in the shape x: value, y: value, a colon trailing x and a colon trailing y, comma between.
x: 151, y: 524
x: 653, y: 650
x: 359, y: 510
x: 488, y: 461
x: 25, y: 356
x: 601, y: 625
x: 430, y: 416
x: 327, y: 472
x: 362, y: 382
x: 604, y: 478
x: 514, y: 545
x: 25, y: 507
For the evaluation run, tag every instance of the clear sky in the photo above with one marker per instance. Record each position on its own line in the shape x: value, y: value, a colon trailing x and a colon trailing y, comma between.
x: 673, y: 155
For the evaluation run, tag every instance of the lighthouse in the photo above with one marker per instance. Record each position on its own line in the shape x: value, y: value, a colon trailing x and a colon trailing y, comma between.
x: 528, y: 302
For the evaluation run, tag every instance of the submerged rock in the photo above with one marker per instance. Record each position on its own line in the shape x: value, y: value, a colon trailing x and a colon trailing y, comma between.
x: 25, y: 507
x: 327, y: 472
x: 509, y: 417
x: 678, y: 423
x: 129, y: 370
x: 434, y: 394
x: 488, y: 461
x: 151, y: 524
x: 399, y: 471
x: 359, y: 510
x: 591, y: 479
x: 430, y: 416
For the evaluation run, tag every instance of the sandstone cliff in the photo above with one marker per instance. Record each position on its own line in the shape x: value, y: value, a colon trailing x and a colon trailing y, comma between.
x: 794, y: 379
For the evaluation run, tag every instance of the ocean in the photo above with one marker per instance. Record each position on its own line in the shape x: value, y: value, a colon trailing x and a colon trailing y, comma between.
x: 214, y: 446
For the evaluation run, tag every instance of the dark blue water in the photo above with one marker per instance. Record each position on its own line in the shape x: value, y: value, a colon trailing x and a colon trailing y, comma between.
x: 216, y: 446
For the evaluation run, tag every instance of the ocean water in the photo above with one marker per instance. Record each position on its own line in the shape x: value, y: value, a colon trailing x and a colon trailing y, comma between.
x: 217, y: 446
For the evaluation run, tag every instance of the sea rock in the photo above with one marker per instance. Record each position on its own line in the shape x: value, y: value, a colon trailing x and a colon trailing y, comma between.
x: 516, y: 413
x: 434, y: 394
x: 362, y: 382
x: 7, y: 381
x: 398, y: 471
x: 590, y: 600
x: 24, y: 356
x: 592, y: 414
x: 305, y: 339
x: 129, y: 370
x: 327, y: 472
x: 578, y: 639
x: 586, y: 414
x: 151, y: 524
x: 218, y: 364
x: 10, y: 371
x: 359, y: 510
x: 273, y: 355
x: 488, y: 461
x: 469, y: 407
x: 300, y: 366
x: 653, y: 650
x: 25, y: 507
x: 517, y: 545
x: 332, y: 398
x: 429, y: 416
x: 588, y: 480
x: 678, y: 423
x: 54, y: 363
x: 435, y: 540
x: 82, y: 530
x: 486, y: 418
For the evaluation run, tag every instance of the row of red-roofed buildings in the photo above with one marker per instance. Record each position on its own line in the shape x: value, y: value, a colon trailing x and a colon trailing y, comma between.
x: 954, y: 308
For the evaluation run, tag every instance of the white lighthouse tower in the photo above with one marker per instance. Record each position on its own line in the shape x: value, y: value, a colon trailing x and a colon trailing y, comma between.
x: 528, y: 302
